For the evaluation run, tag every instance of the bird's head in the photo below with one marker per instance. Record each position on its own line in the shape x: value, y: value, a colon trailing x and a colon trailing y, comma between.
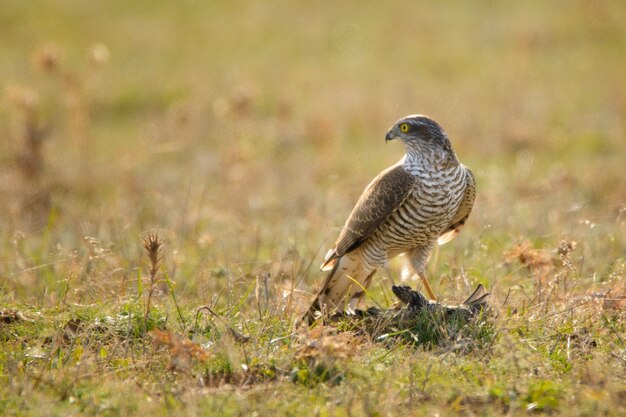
x: 420, y: 133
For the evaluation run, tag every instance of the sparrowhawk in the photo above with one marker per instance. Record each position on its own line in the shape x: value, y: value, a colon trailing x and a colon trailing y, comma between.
x: 422, y: 200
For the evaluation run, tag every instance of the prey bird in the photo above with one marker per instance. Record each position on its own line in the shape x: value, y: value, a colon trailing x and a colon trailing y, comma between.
x: 422, y: 200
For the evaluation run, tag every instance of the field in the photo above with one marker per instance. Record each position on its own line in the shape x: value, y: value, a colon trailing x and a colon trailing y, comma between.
x: 233, y: 139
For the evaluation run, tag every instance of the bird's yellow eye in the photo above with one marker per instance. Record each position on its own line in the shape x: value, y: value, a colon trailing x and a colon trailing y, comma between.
x: 404, y: 127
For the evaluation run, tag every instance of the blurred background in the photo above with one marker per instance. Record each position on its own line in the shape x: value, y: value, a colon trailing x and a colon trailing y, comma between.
x: 245, y: 131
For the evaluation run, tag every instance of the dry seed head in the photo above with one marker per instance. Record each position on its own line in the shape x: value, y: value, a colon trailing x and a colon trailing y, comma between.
x: 152, y: 244
x: 47, y: 58
x: 566, y: 247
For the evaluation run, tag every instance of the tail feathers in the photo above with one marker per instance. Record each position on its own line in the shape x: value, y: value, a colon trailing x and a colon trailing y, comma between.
x: 344, y: 287
x: 478, y: 296
x: 329, y: 260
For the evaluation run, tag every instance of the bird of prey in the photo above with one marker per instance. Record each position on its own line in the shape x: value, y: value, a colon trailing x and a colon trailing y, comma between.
x: 422, y: 200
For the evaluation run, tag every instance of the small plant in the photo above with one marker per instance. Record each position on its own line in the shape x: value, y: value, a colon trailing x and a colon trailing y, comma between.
x: 152, y: 245
x: 34, y: 202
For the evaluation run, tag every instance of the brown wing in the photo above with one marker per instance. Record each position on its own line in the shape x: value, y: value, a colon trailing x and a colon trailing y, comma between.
x: 463, y: 212
x: 382, y: 196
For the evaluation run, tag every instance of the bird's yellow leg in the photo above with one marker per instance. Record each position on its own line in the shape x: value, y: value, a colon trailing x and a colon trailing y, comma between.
x: 418, y: 257
x: 429, y: 290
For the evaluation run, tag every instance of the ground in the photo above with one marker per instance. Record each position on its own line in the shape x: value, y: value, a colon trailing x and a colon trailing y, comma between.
x: 242, y: 133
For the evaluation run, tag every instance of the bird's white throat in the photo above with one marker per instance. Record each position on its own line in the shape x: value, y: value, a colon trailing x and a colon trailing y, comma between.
x: 422, y: 162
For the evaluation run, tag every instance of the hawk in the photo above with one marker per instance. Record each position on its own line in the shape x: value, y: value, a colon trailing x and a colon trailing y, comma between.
x: 422, y: 200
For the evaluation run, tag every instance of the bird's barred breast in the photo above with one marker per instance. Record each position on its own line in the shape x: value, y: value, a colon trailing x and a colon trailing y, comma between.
x: 422, y: 217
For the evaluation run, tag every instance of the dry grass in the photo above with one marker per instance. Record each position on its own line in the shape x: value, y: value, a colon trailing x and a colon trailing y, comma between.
x: 243, y: 133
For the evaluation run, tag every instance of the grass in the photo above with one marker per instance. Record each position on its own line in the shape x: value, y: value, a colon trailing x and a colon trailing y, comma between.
x: 242, y: 134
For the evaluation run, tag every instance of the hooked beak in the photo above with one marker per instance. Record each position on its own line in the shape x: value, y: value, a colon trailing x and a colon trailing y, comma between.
x: 391, y: 135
